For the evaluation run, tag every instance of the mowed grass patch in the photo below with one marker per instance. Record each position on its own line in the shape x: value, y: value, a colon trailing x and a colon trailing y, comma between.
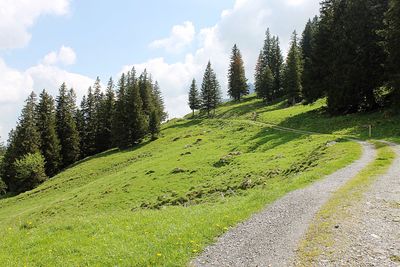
x: 161, y: 203
x: 320, y: 237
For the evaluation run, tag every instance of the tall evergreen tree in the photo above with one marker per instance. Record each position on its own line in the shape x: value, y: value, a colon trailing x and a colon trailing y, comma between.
x: 194, y: 97
x: 292, y: 79
x: 154, y: 124
x: 66, y: 126
x: 50, y: 144
x: 105, y: 118
x: 158, y: 101
x: 145, y: 89
x: 120, y: 129
x: 137, y: 118
x: 392, y: 34
x: 357, y: 65
x: 23, y: 141
x: 210, y: 90
x: 269, y: 57
x: 307, y: 49
x: 237, y: 82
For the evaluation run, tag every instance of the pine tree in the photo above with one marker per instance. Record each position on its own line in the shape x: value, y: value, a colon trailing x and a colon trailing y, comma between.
x: 293, y: 72
x: 154, y: 124
x: 392, y: 34
x: 358, y: 69
x: 270, y: 56
x: 237, y: 82
x: 145, y: 89
x: 307, y: 49
x: 137, y: 118
x: 194, y: 97
x: 66, y: 126
x: 24, y: 141
x: 276, y: 65
x: 106, y: 116
x: 120, y: 129
x: 50, y: 144
x: 159, y: 102
x: 210, y: 90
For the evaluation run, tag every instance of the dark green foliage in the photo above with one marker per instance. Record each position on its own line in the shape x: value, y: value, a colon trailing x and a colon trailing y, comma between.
x: 120, y: 128
x: 29, y: 172
x: 137, y: 112
x: 210, y: 90
x: 104, y: 137
x: 145, y: 89
x: 392, y: 34
x: 50, y: 144
x: 23, y: 141
x: 154, y: 124
x: 66, y: 126
x: 159, y: 102
x: 270, y: 57
x: 194, y: 97
x: 292, y: 73
x: 310, y: 92
x: 237, y: 82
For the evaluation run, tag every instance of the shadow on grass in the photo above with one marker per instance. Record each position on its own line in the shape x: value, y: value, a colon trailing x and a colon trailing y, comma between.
x: 274, y: 137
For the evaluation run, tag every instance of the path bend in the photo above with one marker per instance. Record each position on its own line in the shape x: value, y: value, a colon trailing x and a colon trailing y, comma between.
x: 271, y: 237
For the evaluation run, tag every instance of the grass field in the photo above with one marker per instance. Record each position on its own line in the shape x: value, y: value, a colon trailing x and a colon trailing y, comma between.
x: 162, y: 202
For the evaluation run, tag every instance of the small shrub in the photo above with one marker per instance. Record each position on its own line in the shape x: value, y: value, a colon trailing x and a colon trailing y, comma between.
x: 30, y: 171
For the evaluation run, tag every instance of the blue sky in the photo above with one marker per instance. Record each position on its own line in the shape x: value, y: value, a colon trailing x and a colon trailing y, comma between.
x: 46, y: 42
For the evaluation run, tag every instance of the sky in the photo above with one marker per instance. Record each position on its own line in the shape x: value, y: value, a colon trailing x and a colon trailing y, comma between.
x: 44, y: 43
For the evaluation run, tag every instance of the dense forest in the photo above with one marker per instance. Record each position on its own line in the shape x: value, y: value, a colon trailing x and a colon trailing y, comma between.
x: 52, y: 134
x: 348, y: 54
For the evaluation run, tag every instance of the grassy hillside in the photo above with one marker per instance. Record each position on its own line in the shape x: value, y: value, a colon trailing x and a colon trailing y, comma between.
x: 162, y: 202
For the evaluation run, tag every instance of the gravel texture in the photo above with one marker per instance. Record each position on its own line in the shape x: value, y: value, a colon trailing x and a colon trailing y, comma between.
x: 371, y: 237
x: 270, y: 238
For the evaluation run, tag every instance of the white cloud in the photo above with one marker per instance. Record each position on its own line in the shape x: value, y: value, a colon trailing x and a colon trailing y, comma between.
x: 244, y: 24
x: 66, y: 55
x: 180, y: 37
x: 15, y: 87
x: 17, y: 16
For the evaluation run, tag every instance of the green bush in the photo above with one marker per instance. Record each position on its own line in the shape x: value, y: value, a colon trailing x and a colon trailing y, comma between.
x: 30, y: 171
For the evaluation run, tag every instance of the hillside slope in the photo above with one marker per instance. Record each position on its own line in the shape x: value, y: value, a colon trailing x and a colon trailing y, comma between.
x: 162, y: 202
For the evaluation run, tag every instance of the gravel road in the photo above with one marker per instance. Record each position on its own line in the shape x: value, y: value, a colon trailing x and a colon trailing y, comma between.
x: 270, y: 238
x: 371, y: 237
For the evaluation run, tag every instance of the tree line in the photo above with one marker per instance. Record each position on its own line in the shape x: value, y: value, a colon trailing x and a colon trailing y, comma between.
x: 51, y: 134
x: 349, y: 54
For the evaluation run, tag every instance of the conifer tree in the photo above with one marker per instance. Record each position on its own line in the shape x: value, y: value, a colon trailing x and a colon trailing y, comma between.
x: 154, y: 124
x: 66, y: 126
x: 293, y: 72
x: 392, y: 33
x: 210, y: 90
x: 50, y: 144
x: 194, y: 97
x: 145, y: 89
x: 159, y: 102
x: 24, y: 141
x: 307, y: 49
x: 120, y: 129
x: 137, y: 118
x: 276, y: 65
x: 105, y: 117
x: 237, y: 82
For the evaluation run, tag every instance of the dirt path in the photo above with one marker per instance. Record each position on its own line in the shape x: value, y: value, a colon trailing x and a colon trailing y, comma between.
x: 270, y: 238
x: 371, y: 237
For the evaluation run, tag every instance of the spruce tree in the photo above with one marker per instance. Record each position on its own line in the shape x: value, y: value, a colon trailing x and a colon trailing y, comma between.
x: 276, y: 65
x: 145, y: 89
x: 194, y: 97
x: 23, y: 141
x: 292, y: 80
x: 66, y: 126
x: 120, y: 129
x: 137, y: 118
x: 392, y: 34
x: 210, y: 90
x: 159, y: 102
x: 307, y: 49
x: 50, y: 144
x: 106, y: 116
x: 237, y: 82
x: 154, y: 124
